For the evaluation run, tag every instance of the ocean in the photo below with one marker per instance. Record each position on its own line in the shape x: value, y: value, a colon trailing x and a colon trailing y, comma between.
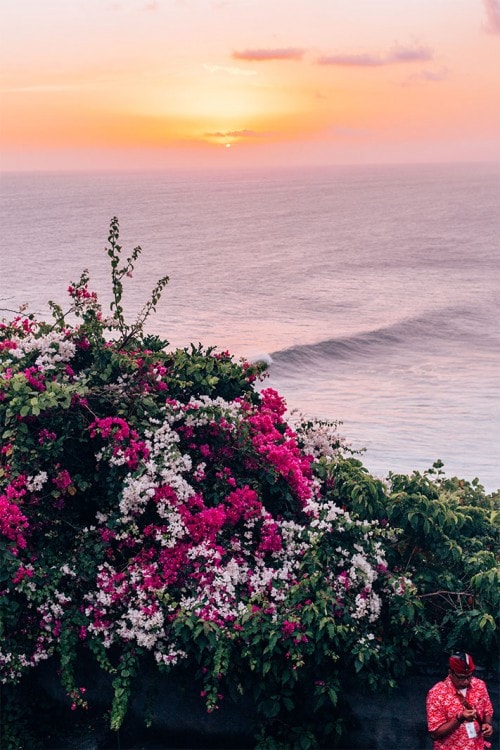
x: 373, y: 291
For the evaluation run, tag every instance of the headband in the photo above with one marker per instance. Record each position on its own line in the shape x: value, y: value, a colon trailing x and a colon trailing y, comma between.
x: 461, y: 663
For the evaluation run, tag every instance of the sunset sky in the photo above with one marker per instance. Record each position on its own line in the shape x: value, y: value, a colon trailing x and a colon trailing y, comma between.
x: 93, y: 84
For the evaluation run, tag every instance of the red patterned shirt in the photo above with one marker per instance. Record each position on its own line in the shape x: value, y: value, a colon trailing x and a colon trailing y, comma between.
x: 444, y: 703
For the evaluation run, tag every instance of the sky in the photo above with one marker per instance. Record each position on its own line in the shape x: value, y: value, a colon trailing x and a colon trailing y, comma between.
x: 140, y: 84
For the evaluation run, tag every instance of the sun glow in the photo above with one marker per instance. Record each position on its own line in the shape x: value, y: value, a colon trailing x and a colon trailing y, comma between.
x: 218, y: 111
x: 336, y: 84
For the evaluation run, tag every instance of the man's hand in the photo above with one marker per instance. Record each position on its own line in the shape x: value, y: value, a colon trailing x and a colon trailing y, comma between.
x: 486, y: 729
x: 469, y: 714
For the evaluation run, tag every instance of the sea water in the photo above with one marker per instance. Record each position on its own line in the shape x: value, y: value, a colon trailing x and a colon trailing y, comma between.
x: 374, y: 292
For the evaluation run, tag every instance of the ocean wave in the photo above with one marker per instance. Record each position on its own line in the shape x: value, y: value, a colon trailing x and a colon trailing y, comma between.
x: 453, y: 326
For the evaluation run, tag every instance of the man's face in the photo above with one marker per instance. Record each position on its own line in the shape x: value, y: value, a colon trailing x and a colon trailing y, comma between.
x: 460, y: 681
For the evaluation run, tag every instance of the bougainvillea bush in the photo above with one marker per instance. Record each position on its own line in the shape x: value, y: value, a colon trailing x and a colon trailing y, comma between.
x: 158, y: 509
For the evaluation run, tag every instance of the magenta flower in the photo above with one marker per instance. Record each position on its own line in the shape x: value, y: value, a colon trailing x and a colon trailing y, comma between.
x: 288, y: 628
x: 63, y: 480
x: 12, y: 523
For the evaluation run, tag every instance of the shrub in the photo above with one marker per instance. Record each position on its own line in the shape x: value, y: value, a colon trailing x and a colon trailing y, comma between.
x: 158, y: 508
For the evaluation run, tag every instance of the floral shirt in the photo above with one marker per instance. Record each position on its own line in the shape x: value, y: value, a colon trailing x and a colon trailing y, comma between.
x: 443, y: 703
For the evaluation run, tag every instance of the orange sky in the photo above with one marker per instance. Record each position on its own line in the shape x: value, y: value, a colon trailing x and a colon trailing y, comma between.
x: 93, y: 84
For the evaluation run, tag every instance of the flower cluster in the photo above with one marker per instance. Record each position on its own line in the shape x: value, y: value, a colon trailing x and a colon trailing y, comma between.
x: 206, y: 506
x: 12, y: 521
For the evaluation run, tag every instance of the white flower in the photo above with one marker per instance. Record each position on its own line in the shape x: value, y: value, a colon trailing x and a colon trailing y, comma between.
x: 53, y: 347
x: 361, y: 568
x: 35, y: 483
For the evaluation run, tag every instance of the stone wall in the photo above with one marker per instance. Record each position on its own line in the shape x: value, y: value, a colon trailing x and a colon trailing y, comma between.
x: 180, y: 721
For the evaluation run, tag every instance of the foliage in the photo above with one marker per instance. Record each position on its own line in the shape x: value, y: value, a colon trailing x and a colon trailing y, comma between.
x: 157, y: 508
x: 447, y: 542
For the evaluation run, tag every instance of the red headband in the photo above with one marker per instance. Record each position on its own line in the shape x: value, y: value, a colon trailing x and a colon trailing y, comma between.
x: 461, y: 664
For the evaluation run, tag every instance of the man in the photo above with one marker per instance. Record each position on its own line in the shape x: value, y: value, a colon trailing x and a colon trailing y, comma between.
x: 459, y: 710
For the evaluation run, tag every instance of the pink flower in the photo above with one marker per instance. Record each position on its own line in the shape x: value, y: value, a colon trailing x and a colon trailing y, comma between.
x: 63, y: 480
x: 244, y: 504
x: 35, y: 378
x: 110, y: 426
x: 271, y: 538
x: 44, y: 436
x: 118, y: 431
x: 344, y: 579
x: 7, y: 345
x: 273, y: 402
x: 21, y: 574
x: 12, y: 521
x: 288, y: 628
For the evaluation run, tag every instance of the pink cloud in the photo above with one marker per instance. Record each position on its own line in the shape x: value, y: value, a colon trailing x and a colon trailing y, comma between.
x: 393, y: 57
x: 260, y: 55
x: 355, y: 61
x: 428, y: 76
x: 409, y: 54
x: 492, y: 9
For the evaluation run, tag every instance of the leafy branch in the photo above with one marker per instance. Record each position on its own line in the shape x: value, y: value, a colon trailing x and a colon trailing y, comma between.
x: 117, y: 275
